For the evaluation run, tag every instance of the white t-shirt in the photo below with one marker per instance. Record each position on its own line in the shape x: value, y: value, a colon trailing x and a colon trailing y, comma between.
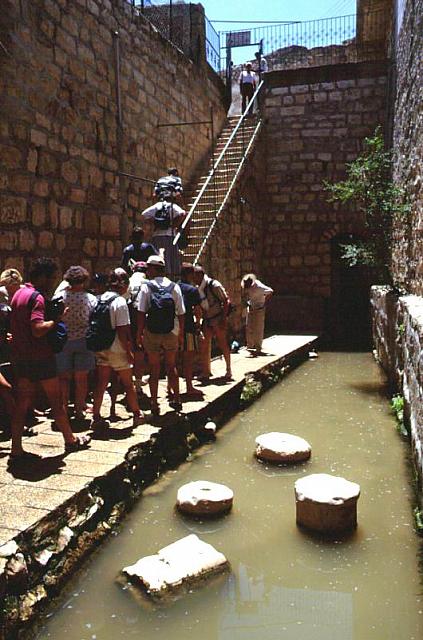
x: 80, y: 304
x: 119, y: 316
x: 257, y: 295
x: 248, y: 77
x: 143, y: 301
x: 264, y: 67
x: 150, y: 213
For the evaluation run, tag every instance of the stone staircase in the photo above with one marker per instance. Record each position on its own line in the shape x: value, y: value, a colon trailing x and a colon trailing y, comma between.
x: 213, y: 190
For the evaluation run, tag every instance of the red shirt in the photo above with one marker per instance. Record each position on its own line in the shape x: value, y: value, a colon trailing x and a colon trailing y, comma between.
x: 24, y: 345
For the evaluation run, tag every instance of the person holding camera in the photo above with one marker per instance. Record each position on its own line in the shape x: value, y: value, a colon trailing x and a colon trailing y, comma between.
x: 75, y: 361
x: 33, y: 357
x: 216, y: 307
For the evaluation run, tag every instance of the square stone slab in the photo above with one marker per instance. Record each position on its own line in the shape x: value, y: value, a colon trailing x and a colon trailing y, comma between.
x: 185, y: 561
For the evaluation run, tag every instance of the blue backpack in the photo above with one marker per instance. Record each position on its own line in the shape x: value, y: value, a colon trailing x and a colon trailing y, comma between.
x: 100, y: 333
x: 161, y: 314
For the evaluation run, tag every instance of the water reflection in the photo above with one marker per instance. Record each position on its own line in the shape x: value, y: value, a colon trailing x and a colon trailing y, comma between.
x: 250, y: 611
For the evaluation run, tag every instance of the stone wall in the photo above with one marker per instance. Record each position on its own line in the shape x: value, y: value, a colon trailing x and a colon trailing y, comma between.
x: 398, y: 340
x: 408, y: 153
x: 62, y: 137
x: 316, y: 120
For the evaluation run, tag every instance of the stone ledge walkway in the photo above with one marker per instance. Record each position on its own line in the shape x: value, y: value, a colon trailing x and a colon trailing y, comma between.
x: 27, y: 495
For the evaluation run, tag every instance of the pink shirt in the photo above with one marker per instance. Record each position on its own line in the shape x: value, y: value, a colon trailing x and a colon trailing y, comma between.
x: 24, y: 345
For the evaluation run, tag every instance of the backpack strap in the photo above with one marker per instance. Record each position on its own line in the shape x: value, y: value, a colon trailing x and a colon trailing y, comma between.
x: 33, y: 297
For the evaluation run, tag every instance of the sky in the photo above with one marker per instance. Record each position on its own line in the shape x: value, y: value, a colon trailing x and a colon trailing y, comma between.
x: 270, y: 10
x: 266, y: 11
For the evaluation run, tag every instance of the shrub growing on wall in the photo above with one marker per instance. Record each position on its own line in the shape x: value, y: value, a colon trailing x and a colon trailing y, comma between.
x: 369, y: 185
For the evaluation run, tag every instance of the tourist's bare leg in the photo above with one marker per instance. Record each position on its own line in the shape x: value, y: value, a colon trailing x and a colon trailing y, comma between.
x: 24, y: 398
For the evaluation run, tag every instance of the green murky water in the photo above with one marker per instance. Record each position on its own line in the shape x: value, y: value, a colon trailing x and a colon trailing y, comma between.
x: 284, y: 583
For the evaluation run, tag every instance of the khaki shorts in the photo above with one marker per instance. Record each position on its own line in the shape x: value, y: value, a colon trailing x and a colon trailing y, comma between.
x: 155, y: 342
x: 116, y: 360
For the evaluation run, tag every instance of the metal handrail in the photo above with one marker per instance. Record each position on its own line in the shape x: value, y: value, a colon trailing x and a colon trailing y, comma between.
x: 216, y: 164
x: 225, y: 199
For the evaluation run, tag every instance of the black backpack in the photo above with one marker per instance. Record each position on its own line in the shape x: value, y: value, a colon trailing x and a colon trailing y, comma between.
x: 100, y: 333
x: 57, y: 337
x: 162, y: 216
x: 161, y: 314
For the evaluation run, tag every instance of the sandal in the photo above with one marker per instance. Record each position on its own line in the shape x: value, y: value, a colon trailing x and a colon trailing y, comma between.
x: 79, y: 444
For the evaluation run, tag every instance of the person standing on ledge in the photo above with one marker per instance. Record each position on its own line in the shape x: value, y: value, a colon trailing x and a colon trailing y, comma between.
x: 247, y: 85
x: 257, y: 294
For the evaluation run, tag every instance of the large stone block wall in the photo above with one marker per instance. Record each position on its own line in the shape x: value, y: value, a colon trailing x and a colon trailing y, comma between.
x: 408, y: 148
x: 316, y: 120
x: 61, y: 145
x: 398, y: 340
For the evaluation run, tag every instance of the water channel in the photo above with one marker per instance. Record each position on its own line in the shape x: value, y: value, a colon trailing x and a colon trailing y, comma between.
x: 284, y: 583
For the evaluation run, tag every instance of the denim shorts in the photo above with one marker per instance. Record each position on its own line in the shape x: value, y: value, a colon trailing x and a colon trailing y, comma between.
x: 75, y: 357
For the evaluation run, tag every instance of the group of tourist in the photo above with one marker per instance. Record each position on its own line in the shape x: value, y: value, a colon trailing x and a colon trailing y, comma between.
x: 114, y: 329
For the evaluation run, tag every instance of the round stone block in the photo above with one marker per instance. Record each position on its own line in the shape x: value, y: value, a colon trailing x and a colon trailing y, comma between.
x: 203, y: 498
x: 326, y: 503
x: 282, y: 448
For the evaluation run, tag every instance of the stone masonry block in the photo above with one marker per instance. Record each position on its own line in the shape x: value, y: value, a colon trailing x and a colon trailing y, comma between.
x: 26, y: 240
x: 10, y: 157
x: 38, y: 214
x: 45, y: 240
x: 12, y: 209
x: 109, y: 225
x: 65, y: 217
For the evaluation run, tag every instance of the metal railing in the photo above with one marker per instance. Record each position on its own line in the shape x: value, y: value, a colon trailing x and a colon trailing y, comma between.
x: 212, y: 46
x: 172, y: 18
x: 350, y: 38
x: 221, y: 165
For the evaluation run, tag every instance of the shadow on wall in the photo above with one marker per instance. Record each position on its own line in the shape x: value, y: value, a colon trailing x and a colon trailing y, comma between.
x: 349, y: 321
x: 343, y: 320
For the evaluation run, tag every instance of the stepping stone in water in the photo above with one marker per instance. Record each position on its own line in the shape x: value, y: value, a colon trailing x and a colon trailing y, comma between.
x: 184, y: 562
x: 326, y: 503
x: 203, y: 498
x: 282, y: 448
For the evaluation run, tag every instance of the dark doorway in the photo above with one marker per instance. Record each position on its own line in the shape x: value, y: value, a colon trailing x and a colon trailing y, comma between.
x: 349, y: 312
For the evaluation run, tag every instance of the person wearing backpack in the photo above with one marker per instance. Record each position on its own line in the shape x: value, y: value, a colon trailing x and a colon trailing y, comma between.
x: 34, y: 360
x: 75, y: 361
x: 167, y: 217
x: 216, y: 308
x: 109, y: 336
x: 161, y: 314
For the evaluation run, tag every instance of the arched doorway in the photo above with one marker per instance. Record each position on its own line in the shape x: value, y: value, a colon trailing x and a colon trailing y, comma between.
x: 349, y: 313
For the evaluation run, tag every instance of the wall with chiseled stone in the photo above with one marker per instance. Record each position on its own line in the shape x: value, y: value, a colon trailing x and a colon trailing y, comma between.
x: 408, y: 148
x: 61, y: 145
x: 316, y: 121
